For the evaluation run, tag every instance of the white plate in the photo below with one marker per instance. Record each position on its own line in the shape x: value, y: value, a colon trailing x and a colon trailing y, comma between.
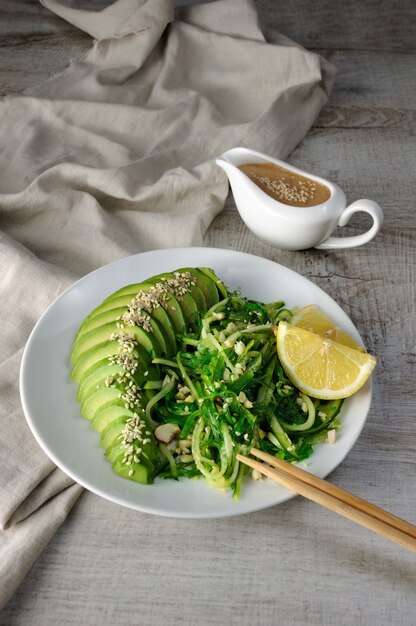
x: 49, y: 397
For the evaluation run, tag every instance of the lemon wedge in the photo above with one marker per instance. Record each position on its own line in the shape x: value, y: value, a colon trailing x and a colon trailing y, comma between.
x: 320, y: 367
x: 311, y: 318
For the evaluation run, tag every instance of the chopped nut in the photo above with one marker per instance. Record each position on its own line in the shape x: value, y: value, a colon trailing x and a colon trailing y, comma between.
x: 242, y: 397
x: 185, y: 444
x: 226, y: 375
x: 239, y: 347
x: 256, y: 475
x: 166, y: 432
x: 186, y: 458
x: 332, y: 436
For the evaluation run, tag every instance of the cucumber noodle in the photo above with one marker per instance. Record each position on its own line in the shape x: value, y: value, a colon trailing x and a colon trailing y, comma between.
x: 227, y: 392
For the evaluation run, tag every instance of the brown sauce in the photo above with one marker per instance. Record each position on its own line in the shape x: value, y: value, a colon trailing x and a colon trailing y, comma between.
x: 286, y: 186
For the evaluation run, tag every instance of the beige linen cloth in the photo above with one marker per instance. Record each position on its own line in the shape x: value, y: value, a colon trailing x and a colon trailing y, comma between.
x: 115, y: 156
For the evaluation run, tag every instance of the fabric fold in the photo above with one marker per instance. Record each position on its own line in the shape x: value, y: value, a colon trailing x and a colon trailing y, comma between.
x: 114, y: 156
x: 117, y: 19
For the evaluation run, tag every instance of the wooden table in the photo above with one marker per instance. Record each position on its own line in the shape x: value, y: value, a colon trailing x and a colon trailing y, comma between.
x: 294, y: 564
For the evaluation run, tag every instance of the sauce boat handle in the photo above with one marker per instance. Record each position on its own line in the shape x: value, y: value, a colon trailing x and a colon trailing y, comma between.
x: 367, y: 206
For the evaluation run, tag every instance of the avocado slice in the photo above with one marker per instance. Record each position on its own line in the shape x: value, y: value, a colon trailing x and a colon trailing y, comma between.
x: 102, y: 398
x: 111, y: 432
x: 212, y: 275
x: 109, y: 304
x: 152, y: 342
x: 93, y: 359
x: 106, y: 317
x: 184, y: 305
x: 206, y: 285
x: 142, y: 473
x: 111, y: 310
x: 98, y: 378
x: 170, y: 322
x: 172, y: 308
x: 199, y: 299
x: 107, y: 415
x: 116, y: 453
x: 98, y: 357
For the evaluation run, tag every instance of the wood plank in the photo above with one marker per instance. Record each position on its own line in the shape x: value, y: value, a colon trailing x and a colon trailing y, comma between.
x: 34, y: 45
x: 353, y: 25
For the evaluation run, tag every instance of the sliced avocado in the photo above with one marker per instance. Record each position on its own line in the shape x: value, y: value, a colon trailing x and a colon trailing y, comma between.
x: 170, y: 321
x: 116, y: 453
x: 110, y: 415
x: 184, y: 305
x: 190, y: 312
x: 111, y: 433
x: 99, y: 378
x: 106, y: 317
x: 98, y: 357
x: 199, y: 299
x: 108, y: 305
x: 128, y: 290
x: 102, y: 398
x: 206, y: 285
x: 117, y: 303
x: 95, y: 357
x: 212, y: 275
x: 148, y: 450
x: 166, y: 324
x: 102, y: 335
x: 141, y: 473
x: 183, y: 312
x: 172, y: 308
x: 163, y: 332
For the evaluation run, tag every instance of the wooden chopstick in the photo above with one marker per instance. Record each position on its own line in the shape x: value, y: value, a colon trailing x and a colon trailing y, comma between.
x: 334, y: 498
x: 337, y: 492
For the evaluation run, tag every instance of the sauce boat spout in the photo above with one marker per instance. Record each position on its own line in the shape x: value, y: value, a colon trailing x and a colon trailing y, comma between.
x: 232, y: 171
x: 230, y: 161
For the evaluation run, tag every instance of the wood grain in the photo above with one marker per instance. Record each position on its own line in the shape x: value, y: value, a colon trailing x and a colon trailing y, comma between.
x: 292, y: 564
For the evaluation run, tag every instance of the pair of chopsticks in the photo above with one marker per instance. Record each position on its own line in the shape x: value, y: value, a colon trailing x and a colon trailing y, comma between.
x: 333, y: 498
